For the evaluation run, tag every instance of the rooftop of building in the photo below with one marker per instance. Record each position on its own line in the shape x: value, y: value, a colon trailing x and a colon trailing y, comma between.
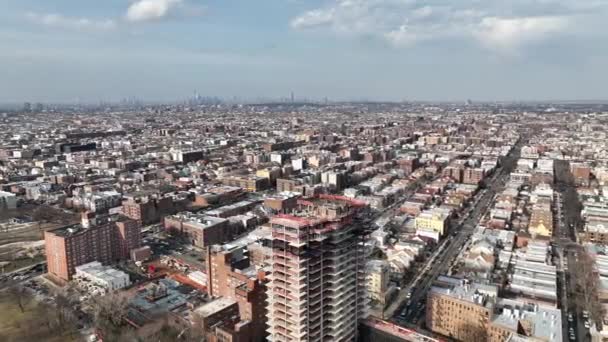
x: 202, y: 220
x: 376, y: 265
x: 435, y: 213
x: 240, y: 204
x: 462, y: 289
x: 214, y: 306
x: 96, y: 269
x: 162, y: 296
x: 333, y: 201
x: 540, y: 321
x: 95, y: 222
x: 257, y: 234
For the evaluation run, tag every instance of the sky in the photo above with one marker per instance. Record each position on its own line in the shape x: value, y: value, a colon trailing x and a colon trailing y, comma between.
x: 165, y: 50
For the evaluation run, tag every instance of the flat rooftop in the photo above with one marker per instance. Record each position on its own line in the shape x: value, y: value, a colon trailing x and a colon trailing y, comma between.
x: 201, y: 221
x: 78, y: 228
x: 544, y: 322
x: 96, y: 269
x: 210, y: 308
x: 461, y: 289
x: 172, y: 299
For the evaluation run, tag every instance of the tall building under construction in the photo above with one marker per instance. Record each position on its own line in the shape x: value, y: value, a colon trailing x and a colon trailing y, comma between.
x: 316, y: 291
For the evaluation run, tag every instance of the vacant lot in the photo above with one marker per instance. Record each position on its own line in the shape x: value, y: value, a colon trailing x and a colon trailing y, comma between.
x: 11, y: 233
x: 21, y: 244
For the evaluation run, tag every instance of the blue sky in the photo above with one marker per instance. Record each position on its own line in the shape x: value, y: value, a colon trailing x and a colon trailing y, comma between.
x: 63, y: 50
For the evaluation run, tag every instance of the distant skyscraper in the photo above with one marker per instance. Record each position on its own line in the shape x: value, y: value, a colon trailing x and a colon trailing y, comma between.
x: 27, y: 107
x: 292, y: 97
x: 39, y: 107
x: 317, y: 287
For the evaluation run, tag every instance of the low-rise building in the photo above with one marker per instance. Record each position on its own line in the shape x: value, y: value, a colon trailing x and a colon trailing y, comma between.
x: 101, y: 275
x: 541, y: 220
x: 432, y: 223
x: 533, y: 276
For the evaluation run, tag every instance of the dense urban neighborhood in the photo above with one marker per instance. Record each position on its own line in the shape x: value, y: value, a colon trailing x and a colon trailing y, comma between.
x: 288, y: 221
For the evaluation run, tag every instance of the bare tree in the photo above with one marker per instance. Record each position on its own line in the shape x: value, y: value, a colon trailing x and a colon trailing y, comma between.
x: 109, y: 313
x: 51, y: 214
x: 587, y: 285
x: 20, y: 295
x: 196, y: 333
x: 65, y: 303
x: 38, y: 324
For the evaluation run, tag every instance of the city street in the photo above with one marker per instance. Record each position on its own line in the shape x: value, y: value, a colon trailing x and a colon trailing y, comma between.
x: 412, y: 312
x: 567, y: 220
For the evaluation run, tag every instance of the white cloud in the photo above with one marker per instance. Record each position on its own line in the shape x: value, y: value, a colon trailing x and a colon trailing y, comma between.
x: 61, y: 21
x: 402, y: 36
x: 147, y: 10
x: 495, y: 24
x: 509, y: 33
x: 312, y: 18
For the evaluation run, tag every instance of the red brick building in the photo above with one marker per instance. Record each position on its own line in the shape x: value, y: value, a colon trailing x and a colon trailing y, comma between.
x: 230, y: 274
x: 147, y: 210
x: 454, y: 172
x: 201, y: 230
x: 473, y: 175
x: 105, y: 239
x: 581, y: 173
x: 408, y: 165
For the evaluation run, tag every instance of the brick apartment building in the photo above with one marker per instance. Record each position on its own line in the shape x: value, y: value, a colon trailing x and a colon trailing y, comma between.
x: 230, y: 274
x: 104, y: 239
x: 288, y: 185
x: 408, y: 165
x: 280, y: 146
x: 467, y: 311
x: 454, y: 172
x: 216, y: 195
x: 147, y: 209
x: 281, y: 204
x: 201, y: 230
x: 249, y: 183
x: 220, y: 321
x: 473, y: 175
x: 581, y: 173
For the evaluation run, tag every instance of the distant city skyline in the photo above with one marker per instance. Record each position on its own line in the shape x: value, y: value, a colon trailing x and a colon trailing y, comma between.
x: 380, y: 50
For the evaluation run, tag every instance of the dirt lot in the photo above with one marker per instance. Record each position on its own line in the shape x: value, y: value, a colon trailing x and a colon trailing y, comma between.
x: 11, y: 233
x: 21, y: 244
